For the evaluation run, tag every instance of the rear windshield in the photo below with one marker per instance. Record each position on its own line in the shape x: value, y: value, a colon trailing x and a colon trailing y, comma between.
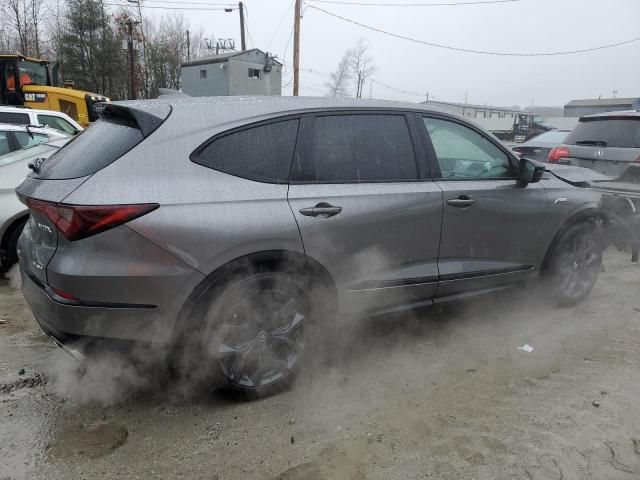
x: 555, y: 136
x: 93, y: 149
x: 618, y: 132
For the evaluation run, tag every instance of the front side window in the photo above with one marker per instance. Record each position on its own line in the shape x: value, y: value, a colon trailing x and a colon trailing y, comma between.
x: 358, y: 149
x: 463, y: 153
x: 262, y: 153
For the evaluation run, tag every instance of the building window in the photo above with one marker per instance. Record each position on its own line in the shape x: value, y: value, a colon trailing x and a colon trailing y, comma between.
x: 254, y: 73
x: 203, y: 74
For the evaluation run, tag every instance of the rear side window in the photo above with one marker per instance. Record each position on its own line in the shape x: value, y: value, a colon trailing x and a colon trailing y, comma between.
x: 262, y: 153
x: 624, y: 133
x: 93, y: 149
x: 358, y: 149
x: 15, y: 118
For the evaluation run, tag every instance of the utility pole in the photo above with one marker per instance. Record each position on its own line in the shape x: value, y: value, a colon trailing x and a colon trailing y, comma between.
x: 188, y: 47
x: 132, y: 75
x: 296, y: 47
x: 242, y: 42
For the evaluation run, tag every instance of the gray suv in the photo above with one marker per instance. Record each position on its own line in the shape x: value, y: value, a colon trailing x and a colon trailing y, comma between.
x: 240, y: 229
x: 606, y: 142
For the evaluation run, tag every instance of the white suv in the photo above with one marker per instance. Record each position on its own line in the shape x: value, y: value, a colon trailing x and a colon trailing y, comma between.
x: 50, y: 118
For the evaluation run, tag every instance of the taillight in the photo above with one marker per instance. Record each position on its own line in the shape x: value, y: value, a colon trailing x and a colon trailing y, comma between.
x: 637, y: 160
x: 81, y: 221
x: 557, y: 153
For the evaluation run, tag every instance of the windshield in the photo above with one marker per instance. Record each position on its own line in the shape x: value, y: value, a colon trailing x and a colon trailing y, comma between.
x: 32, y: 73
x: 610, y: 132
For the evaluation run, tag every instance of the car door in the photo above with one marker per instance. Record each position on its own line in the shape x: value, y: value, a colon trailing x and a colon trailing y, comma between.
x: 366, y: 209
x: 494, y: 230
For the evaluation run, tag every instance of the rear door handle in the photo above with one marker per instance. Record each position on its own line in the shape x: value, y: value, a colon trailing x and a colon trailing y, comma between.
x: 322, y: 210
x: 461, y: 202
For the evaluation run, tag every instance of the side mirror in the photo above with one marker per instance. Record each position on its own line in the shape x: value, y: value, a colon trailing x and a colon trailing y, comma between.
x: 529, y: 171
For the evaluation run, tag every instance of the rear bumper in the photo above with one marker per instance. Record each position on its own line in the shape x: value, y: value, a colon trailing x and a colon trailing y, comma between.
x: 68, y: 325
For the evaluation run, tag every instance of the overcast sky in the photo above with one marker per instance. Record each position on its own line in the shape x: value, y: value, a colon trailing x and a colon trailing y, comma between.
x: 524, y: 26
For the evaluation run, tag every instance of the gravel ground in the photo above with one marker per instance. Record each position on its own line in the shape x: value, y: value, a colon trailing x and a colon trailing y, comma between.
x: 432, y: 394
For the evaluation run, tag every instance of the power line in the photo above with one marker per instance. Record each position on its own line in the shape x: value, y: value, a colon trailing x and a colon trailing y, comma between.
x: 399, y: 90
x: 219, y: 9
x: 194, y: 3
x: 280, y: 24
x: 382, y: 4
x: 468, y: 50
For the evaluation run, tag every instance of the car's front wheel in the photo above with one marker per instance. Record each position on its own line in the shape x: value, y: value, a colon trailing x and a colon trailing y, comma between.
x: 575, y: 263
x: 255, y: 331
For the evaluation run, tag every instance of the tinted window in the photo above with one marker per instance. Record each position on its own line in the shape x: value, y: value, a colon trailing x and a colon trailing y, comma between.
x: 614, y: 132
x: 93, y: 149
x: 261, y: 153
x: 25, y: 140
x: 465, y: 154
x: 56, y: 122
x: 15, y: 118
x: 358, y: 148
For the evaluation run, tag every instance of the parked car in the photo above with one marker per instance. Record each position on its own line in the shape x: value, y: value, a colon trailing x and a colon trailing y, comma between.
x: 47, y: 118
x: 242, y: 227
x: 539, y: 147
x: 14, y: 214
x: 606, y: 142
x: 17, y: 137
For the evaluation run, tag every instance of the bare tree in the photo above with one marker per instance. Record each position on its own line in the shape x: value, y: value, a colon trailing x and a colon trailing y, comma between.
x: 16, y: 13
x: 37, y: 13
x: 361, y: 64
x: 338, y: 86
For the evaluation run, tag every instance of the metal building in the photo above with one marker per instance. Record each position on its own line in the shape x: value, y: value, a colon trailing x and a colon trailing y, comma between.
x: 578, y: 108
x: 249, y: 72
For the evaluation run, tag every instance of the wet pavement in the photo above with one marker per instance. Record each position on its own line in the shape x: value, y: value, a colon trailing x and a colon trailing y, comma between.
x: 432, y: 394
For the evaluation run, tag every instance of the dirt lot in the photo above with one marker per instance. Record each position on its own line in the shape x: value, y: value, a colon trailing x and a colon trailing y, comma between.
x: 436, y: 394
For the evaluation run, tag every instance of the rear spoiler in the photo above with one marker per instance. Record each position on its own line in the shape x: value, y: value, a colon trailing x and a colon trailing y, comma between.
x: 147, y: 119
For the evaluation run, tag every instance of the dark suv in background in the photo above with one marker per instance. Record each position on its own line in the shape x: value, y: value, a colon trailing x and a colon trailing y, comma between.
x: 237, y: 226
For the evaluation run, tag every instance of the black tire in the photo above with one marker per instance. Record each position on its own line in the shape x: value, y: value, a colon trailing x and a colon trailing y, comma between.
x: 255, y: 331
x: 575, y: 263
x: 9, y: 251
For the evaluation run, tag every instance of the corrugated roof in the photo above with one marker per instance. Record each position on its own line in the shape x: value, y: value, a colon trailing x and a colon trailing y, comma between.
x: 223, y: 57
x: 602, y: 102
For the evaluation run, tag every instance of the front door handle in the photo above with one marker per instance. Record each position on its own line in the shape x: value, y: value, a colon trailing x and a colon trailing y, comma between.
x: 322, y: 210
x: 461, y: 202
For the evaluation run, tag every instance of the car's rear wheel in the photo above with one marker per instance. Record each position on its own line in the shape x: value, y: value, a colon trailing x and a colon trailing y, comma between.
x: 575, y: 263
x: 256, y: 331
